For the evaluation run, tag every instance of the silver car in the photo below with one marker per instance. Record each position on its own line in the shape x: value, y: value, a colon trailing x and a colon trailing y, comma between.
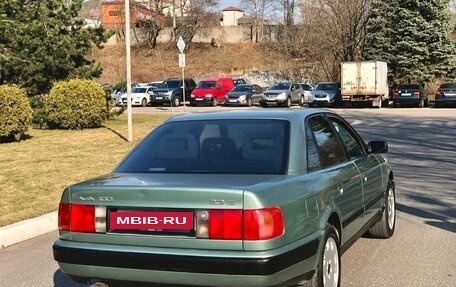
x: 326, y: 94
x: 283, y: 94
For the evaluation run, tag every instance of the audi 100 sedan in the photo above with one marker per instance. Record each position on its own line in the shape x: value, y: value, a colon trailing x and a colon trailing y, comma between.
x: 235, y: 198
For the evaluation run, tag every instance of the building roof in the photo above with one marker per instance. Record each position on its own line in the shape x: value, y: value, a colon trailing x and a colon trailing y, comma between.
x: 232, y: 8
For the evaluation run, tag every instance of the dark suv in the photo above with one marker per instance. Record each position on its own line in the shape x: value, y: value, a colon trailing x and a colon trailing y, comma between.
x: 170, y: 92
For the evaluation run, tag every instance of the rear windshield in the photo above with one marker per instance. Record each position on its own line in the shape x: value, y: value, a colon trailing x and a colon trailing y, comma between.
x: 212, y: 147
x: 448, y: 86
x: 409, y: 86
x: 326, y: 86
x: 206, y: 84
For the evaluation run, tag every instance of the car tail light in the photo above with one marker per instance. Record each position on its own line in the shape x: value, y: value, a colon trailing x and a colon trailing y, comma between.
x: 396, y: 94
x: 235, y: 224
x: 416, y: 94
x: 82, y: 218
x: 439, y: 94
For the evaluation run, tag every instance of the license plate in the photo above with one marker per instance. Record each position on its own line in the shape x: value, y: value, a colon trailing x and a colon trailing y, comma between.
x: 159, y: 98
x: 198, y: 99
x: 406, y: 94
x: 232, y: 101
x: 151, y: 220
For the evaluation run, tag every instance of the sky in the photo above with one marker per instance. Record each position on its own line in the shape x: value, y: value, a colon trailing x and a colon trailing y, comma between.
x: 226, y: 3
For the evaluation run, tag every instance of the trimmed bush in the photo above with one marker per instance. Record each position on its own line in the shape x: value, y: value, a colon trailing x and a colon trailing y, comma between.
x: 15, y: 113
x: 76, y: 104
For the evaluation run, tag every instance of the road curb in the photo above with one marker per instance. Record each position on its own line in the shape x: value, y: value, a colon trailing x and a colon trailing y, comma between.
x: 27, y: 229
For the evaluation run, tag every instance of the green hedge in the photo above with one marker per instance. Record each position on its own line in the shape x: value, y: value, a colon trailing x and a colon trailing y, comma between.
x: 76, y: 104
x: 15, y: 113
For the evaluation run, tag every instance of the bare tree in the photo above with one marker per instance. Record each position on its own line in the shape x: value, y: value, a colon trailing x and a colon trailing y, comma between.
x: 335, y: 31
x: 196, y: 15
x: 260, y: 11
x: 153, y: 22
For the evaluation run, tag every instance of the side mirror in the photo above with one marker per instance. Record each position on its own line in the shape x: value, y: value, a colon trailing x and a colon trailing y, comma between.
x: 377, y: 147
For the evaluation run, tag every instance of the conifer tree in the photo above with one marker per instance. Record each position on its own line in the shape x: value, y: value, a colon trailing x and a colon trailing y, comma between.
x: 413, y: 37
x: 45, y: 41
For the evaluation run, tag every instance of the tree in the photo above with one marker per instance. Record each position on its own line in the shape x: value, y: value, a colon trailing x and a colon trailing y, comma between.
x: 196, y: 15
x: 413, y: 37
x: 45, y: 41
x: 258, y: 9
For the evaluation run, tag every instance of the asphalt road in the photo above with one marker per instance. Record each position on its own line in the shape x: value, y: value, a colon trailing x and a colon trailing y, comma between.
x: 422, y: 252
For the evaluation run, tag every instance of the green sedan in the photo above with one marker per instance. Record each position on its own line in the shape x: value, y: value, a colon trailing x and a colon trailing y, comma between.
x: 235, y: 198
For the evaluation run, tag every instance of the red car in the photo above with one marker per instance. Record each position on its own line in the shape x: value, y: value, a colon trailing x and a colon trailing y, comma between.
x: 211, y: 91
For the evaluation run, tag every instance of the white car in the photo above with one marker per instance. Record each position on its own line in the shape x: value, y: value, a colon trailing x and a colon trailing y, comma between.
x: 307, y: 89
x: 140, y: 96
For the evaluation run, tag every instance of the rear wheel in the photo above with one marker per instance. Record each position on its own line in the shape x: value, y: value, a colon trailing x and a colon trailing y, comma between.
x: 288, y: 103
x: 328, y: 269
x: 144, y: 102
x: 385, y: 227
x: 176, y: 101
x: 249, y: 102
x: 301, y: 101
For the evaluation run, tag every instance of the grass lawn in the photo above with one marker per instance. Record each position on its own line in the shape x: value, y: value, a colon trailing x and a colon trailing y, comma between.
x: 34, y: 172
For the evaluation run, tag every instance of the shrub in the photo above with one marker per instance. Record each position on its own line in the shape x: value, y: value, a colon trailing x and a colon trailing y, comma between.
x: 76, y: 104
x: 15, y: 113
x: 39, y: 120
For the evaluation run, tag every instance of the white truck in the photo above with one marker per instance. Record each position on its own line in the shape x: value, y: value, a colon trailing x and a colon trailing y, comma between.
x: 364, y: 82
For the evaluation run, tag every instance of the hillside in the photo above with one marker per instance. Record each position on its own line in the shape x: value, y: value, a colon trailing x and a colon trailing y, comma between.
x: 201, y: 60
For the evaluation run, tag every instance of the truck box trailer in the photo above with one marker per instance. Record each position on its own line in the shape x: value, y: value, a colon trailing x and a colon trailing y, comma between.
x: 364, y: 82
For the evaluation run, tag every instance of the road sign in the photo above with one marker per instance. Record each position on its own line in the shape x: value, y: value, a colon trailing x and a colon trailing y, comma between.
x: 181, y: 60
x: 181, y: 44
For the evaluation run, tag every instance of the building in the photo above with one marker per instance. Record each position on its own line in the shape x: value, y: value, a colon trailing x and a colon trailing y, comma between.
x: 230, y: 16
x: 113, y: 14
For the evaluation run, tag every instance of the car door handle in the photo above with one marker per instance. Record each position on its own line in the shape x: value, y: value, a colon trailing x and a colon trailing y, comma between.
x: 340, y: 188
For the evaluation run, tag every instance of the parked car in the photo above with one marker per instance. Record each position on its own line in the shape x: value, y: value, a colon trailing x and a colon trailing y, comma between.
x: 446, y: 95
x: 234, y: 198
x: 307, y: 88
x: 170, y: 92
x: 283, y: 94
x: 238, y: 81
x: 326, y: 94
x: 410, y: 94
x: 140, y: 96
x: 211, y: 91
x: 117, y: 94
x: 244, y: 94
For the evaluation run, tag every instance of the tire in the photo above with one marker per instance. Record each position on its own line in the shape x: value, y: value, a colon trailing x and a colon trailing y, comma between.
x: 214, y: 102
x: 328, y: 269
x: 144, y: 102
x: 386, y: 226
x: 311, y: 105
x: 288, y: 103
x: 249, y: 102
x: 264, y: 105
x: 301, y: 101
x: 176, y: 101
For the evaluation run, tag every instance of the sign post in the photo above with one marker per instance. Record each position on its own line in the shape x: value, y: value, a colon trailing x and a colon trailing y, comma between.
x: 181, y: 47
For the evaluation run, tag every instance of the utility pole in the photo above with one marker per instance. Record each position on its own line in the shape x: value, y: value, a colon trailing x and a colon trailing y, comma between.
x: 128, y: 63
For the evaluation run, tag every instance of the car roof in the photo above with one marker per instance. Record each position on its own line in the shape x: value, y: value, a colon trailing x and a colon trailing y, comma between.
x: 280, y: 114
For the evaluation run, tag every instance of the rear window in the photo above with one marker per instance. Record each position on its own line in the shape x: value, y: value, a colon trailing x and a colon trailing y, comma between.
x: 326, y: 87
x: 212, y: 147
x: 448, y: 86
x: 409, y: 86
x: 206, y: 85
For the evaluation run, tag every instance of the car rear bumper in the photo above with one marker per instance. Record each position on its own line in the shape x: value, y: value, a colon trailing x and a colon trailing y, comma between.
x: 450, y: 101
x: 83, y: 261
